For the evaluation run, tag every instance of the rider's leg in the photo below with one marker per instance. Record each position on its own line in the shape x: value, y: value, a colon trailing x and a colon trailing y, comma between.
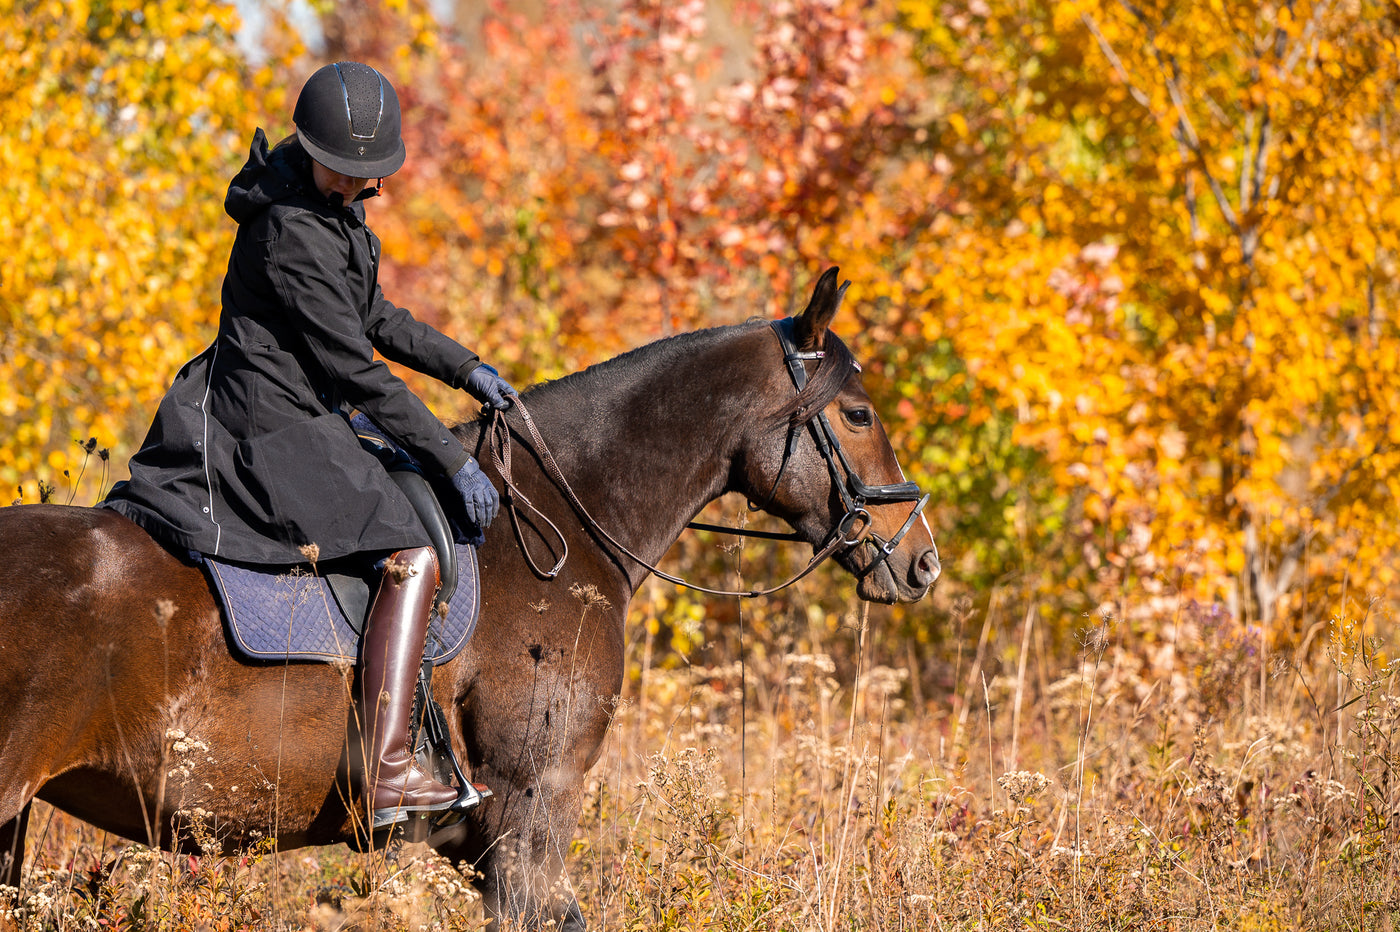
x: 392, y: 653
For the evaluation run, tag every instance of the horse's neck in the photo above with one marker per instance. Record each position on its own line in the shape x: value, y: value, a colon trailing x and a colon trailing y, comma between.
x: 648, y: 440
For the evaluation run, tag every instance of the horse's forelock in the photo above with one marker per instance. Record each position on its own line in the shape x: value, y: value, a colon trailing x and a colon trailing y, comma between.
x: 823, y: 385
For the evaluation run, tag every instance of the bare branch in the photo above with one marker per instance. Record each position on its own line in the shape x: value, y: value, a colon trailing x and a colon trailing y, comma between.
x: 1261, y: 158
x: 1246, y: 164
x: 1185, y: 130
x: 1306, y: 38
x: 1138, y: 94
x: 1193, y: 141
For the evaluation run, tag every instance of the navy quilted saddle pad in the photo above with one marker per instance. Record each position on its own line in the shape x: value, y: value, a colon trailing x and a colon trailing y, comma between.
x: 290, y: 614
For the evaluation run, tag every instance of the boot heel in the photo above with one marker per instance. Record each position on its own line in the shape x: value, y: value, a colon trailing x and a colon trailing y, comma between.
x: 471, y: 796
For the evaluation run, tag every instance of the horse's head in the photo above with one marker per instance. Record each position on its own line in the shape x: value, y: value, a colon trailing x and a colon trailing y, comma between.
x: 826, y: 466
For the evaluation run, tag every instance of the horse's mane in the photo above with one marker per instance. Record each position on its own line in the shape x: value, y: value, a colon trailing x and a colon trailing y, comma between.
x: 600, y: 378
x: 657, y: 354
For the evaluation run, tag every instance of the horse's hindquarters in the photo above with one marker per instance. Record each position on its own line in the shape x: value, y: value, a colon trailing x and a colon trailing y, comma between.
x: 124, y: 706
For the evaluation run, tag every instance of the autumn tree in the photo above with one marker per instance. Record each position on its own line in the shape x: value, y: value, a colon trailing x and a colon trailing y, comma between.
x: 1124, y: 274
x: 600, y: 175
x: 123, y: 121
x: 657, y: 160
x: 1173, y: 256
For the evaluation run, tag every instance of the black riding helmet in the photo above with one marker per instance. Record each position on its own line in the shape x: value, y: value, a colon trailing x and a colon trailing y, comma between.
x: 347, y: 118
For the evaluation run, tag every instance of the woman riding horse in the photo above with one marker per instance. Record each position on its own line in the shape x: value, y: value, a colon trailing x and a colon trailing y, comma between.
x: 251, y: 456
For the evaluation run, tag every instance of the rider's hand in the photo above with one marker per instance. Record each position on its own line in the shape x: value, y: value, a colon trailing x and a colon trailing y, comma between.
x: 486, y: 386
x: 478, y: 496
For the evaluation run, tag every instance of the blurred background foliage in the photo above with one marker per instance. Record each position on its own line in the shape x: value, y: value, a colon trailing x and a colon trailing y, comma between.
x: 1125, y: 276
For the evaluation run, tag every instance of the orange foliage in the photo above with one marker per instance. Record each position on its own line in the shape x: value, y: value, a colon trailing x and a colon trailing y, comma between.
x: 1174, y: 255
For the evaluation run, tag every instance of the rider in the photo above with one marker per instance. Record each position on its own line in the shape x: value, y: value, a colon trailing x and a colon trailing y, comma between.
x: 251, y: 457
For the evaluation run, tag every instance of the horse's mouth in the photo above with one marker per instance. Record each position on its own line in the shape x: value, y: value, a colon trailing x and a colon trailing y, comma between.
x: 878, y: 580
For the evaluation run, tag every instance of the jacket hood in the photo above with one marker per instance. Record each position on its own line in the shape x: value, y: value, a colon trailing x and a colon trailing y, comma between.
x: 272, y: 175
x: 267, y: 177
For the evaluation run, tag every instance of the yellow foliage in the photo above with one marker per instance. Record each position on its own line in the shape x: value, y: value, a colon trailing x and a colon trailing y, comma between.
x: 1155, y: 246
x: 1225, y: 328
x: 122, y: 122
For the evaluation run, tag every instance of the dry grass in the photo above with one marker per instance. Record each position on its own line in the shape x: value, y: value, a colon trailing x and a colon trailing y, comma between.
x: 1172, y: 774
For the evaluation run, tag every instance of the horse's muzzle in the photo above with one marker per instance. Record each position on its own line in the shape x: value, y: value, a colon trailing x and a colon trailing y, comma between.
x: 892, y: 577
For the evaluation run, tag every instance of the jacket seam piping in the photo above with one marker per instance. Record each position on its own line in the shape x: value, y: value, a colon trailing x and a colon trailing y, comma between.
x: 204, y: 448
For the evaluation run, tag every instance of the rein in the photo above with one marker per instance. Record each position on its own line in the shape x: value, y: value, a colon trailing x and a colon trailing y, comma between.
x: 500, y: 455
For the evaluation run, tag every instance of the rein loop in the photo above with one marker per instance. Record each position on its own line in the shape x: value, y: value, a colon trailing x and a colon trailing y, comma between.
x: 500, y: 455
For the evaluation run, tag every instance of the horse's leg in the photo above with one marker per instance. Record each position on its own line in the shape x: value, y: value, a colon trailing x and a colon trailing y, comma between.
x: 531, y: 726
x: 522, y: 876
x: 530, y: 753
x: 12, y: 847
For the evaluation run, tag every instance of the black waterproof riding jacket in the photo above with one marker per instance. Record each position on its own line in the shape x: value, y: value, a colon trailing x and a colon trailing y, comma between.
x: 250, y: 456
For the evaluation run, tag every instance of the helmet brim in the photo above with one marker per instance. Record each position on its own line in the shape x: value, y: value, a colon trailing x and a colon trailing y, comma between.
x: 353, y: 168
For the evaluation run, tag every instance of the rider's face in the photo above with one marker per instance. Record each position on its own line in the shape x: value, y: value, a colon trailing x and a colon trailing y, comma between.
x: 332, y: 182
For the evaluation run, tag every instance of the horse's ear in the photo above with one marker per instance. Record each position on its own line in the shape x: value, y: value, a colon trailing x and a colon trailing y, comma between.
x: 812, y: 323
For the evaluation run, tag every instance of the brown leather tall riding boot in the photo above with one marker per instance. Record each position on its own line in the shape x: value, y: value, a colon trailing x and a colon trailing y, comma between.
x: 392, y: 653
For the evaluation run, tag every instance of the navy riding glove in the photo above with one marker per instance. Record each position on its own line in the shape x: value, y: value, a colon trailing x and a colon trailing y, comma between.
x: 486, y: 386
x: 478, y: 496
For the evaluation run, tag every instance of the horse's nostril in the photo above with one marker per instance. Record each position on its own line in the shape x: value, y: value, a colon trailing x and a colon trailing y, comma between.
x: 927, y: 568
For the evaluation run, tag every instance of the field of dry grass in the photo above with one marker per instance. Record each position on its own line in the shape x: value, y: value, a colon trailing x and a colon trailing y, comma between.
x: 1168, y: 772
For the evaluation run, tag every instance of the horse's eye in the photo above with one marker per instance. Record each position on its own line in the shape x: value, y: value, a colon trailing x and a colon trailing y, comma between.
x: 859, y: 417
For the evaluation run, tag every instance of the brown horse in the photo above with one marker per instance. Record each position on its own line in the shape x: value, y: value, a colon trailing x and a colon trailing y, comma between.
x: 123, y: 706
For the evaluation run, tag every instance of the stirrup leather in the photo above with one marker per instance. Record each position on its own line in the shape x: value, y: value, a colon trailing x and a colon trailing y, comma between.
x: 433, y: 748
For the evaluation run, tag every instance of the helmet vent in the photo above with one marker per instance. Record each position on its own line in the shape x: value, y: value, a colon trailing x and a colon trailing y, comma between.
x: 364, y: 100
